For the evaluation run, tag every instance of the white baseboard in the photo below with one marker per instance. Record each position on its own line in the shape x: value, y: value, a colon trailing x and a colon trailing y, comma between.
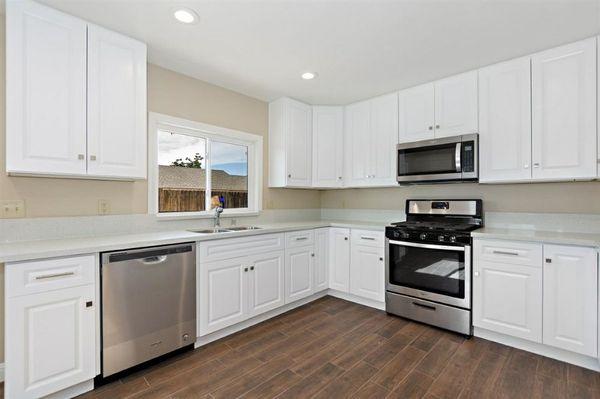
x: 357, y: 299
x: 540, y: 349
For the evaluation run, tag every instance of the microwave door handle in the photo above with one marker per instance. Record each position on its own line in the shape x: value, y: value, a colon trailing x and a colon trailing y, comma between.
x: 457, y: 159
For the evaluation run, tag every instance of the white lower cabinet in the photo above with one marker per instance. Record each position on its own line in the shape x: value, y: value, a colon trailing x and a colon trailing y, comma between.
x: 266, y: 286
x: 321, y: 270
x: 367, y: 273
x: 339, y: 259
x: 570, y: 298
x: 50, y: 335
x: 550, y: 299
x: 299, y: 266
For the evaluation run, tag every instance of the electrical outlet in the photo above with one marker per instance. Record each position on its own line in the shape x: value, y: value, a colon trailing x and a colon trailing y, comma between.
x: 103, y: 207
x: 233, y: 222
x: 11, y: 209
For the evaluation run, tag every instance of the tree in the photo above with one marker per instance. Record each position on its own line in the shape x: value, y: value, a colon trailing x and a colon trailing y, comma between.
x: 189, y: 163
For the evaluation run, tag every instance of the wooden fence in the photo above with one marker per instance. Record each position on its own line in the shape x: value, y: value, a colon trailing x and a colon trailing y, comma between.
x: 170, y: 200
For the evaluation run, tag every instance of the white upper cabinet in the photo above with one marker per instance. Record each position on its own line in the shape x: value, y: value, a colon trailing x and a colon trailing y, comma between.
x: 371, y: 133
x: 116, y: 105
x: 505, y: 121
x: 76, y: 97
x: 564, y: 112
x: 415, y: 113
x: 328, y: 149
x: 45, y: 90
x: 290, y: 143
x: 456, y: 105
x: 571, y: 298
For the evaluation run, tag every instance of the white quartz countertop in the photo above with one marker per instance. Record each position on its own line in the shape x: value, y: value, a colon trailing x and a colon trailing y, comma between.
x: 38, y: 249
x: 548, y: 237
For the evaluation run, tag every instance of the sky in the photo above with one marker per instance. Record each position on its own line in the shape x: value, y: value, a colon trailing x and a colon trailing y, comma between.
x: 232, y: 157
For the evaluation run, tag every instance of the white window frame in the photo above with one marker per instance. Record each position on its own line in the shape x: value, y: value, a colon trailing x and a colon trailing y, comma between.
x: 254, y: 143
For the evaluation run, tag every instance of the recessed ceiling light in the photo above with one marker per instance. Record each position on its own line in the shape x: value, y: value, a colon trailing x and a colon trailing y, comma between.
x: 185, y: 15
x: 309, y: 75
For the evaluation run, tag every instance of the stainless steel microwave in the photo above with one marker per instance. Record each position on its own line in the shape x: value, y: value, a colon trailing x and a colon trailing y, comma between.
x: 448, y: 159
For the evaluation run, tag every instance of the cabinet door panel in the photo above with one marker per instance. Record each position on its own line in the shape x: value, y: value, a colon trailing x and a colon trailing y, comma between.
x: 321, y: 259
x: 367, y: 272
x: 456, y: 105
x: 299, y: 147
x: 116, y: 105
x: 223, y: 294
x: 507, y: 298
x: 51, y: 342
x: 328, y: 149
x: 357, y: 126
x: 383, y: 140
x: 299, y: 265
x: 416, y: 113
x: 46, y: 90
x: 564, y: 112
x: 505, y: 121
x: 339, y: 259
x: 570, y: 298
x: 267, y: 282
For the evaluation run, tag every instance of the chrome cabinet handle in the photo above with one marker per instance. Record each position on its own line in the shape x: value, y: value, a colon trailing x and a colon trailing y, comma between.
x: 92, y: 157
x: 346, y: 238
x: 381, y: 258
x: 301, y: 238
x: 367, y: 238
x: 430, y: 127
x: 245, y: 269
x: 251, y: 267
x: 80, y: 156
x: 536, y: 164
x: 506, y: 253
x: 46, y: 276
x: 548, y: 260
x: 437, y: 126
x: 289, y: 175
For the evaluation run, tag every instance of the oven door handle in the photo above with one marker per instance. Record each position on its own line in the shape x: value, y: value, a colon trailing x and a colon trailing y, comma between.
x: 428, y: 246
x: 457, y: 157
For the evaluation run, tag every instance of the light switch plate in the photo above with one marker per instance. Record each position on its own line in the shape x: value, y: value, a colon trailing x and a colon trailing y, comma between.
x: 11, y: 209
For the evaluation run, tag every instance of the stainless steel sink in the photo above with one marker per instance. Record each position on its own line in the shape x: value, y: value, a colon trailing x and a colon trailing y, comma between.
x: 243, y: 228
x: 210, y: 231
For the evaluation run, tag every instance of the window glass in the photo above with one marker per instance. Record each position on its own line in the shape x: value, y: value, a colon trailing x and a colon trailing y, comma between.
x: 181, y: 173
x: 229, y: 174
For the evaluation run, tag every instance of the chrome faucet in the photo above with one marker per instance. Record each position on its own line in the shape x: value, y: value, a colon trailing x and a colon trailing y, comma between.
x: 217, y: 216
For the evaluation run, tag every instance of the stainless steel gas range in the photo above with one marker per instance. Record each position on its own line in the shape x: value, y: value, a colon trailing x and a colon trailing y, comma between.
x: 428, y: 262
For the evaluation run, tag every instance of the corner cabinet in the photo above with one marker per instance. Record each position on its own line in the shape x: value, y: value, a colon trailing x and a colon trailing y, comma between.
x: 371, y: 135
x: 339, y: 259
x: 327, y: 147
x: 50, y: 325
x: 55, y: 65
x: 290, y: 143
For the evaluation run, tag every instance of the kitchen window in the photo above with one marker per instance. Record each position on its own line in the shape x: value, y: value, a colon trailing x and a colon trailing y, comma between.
x: 194, y: 167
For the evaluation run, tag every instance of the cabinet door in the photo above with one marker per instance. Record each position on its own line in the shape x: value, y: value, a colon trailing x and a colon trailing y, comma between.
x: 266, y: 285
x: 51, y: 342
x: 505, y: 121
x: 357, y: 144
x: 383, y: 140
x: 507, y: 298
x: 367, y: 272
x: 456, y: 105
x: 328, y: 146
x: 571, y: 298
x: 416, y: 113
x: 299, y: 269
x: 223, y: 294
x: 116, y: 105
x: 564, y: 112
x: 45, y: 90
x: 321, y: 259
x: 299, y: 147
x: 339, y: 259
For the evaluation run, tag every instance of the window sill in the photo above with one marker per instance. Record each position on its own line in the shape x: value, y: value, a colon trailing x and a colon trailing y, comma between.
x: 204, y: 215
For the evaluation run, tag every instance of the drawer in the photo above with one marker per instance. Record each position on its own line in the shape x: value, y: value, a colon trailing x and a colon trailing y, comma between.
x: 295, y: 239
x: 367, y: 237
x: 508, y: 252
x: 24, y: 278
x: 229, y: 248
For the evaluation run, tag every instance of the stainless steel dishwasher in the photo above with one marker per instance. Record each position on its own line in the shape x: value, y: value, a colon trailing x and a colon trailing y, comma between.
x: 148, y: 304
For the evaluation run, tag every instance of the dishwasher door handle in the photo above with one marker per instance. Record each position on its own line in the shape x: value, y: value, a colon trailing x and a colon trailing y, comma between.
x: 153, y: 260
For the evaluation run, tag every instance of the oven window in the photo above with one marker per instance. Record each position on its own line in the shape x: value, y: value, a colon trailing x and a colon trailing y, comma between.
x: 432, y: 270
x: 427, y: 160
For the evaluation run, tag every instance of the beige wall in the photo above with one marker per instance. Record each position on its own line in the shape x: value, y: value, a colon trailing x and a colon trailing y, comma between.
x: 579, y: 197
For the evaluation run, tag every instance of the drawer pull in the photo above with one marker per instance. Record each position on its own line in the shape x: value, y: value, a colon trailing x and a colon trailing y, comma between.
x: 46, y: 276
x: 367, y: 238
x: 301, y: 238
x: 506, y: 253
x: 428, y: 307
x: 548, y: 260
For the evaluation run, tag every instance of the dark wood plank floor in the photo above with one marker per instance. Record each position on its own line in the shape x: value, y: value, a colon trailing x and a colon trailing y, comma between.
x: 336, y: 349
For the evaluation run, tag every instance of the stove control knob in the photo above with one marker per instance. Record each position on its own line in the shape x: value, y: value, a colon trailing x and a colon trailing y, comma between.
x: 441, y: 238
x: 452, y: 238
x: 405, y: 235
x: 396, y: 234
x: 423, y: 236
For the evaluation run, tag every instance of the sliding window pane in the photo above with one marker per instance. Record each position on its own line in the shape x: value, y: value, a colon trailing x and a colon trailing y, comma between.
x: 229, y: 174
x: 181, y: 173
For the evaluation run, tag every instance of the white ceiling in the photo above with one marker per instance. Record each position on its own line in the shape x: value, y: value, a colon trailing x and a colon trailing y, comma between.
x: 360, y: 48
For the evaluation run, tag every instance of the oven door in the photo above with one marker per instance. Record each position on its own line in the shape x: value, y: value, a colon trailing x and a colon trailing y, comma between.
x: 438, y: 273
x: 429, y: 160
